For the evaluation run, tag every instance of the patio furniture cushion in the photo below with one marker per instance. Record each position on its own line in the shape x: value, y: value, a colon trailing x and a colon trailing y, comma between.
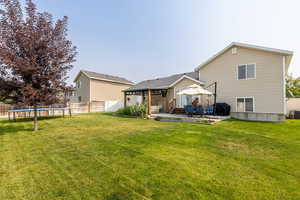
x: 199, y: 110
x: 209, y: 110
x: 189, y: 109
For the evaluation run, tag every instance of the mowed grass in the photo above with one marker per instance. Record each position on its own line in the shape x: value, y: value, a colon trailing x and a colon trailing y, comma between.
x: 99, y: 156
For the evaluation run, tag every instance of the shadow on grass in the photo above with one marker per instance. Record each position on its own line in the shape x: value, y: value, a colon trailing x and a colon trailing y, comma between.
x: 12, y: 126
x: 121, y: 116
x: 30, y: 119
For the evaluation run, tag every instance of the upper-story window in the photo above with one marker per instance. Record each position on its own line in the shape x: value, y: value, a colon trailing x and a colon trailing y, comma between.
x: 78, y: 84
x: 246, y: 71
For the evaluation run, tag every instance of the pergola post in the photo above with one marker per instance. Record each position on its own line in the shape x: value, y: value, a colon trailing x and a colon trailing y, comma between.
x: 149, y: 102
x: 125, y: 99
x: 143, y: 97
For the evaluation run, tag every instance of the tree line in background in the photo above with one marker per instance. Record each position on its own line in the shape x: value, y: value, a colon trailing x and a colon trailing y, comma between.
x: 292, y: 87
x: 35, y: 56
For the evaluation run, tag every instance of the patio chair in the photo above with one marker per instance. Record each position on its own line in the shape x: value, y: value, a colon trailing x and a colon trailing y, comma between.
x: 189, y: 110
x: 209, y: 110
x: 199, y: 110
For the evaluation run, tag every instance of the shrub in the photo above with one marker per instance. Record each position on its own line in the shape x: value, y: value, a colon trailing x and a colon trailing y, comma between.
x: 158, y: 118
x: 138, y: 110
x: 124, y: 111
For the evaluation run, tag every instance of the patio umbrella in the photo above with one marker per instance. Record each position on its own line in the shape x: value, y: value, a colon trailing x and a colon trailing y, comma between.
x: 194, y: 90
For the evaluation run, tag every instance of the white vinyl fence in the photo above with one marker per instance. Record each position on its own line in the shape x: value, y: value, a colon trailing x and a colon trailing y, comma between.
x: 95, y: 106
x: 3, y: 110
x: 112, y: 106
x: 293, y: 104
x: 76, y: 108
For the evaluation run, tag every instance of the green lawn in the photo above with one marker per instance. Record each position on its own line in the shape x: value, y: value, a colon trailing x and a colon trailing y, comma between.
x: 99, y: 156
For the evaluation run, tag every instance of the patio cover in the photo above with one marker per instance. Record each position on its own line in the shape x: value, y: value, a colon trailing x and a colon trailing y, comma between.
x: 194, y: 90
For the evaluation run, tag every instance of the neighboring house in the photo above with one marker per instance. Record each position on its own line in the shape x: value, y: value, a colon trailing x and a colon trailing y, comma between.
x: 250, y: 78
x: 93, y: 87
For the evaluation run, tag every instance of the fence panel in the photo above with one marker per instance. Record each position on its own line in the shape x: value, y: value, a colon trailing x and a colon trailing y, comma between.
x: 112, y: 106
x: 76, y: 108
x: 97, y: 106
x: 293, y: 104
x: 3, y: 109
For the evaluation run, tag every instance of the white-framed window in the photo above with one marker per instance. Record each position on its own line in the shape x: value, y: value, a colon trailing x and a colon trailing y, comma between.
x: 78, y: 84
x: 234, y: 50
x: 246, y: 71
x: 245, y: 104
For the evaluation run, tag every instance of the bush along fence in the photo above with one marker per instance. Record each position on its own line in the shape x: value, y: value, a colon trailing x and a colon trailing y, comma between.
x: 139, y: 110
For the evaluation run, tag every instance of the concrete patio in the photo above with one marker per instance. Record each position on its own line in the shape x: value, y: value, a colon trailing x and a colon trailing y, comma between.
x: 205, y: 119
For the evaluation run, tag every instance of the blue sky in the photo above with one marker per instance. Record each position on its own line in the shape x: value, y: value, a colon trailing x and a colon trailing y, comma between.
x: 144, y: 39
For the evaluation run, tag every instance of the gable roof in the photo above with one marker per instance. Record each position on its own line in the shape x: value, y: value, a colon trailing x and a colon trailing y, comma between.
x: 249, y: 46
x: 165, y: 82
x: 104, y: 77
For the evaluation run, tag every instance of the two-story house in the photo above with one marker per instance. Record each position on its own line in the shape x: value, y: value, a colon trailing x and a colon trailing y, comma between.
x: 249, y: 78
x: 95, y: 87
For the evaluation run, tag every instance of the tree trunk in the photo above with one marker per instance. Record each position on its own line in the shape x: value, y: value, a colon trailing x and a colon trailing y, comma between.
x: 35, y: 118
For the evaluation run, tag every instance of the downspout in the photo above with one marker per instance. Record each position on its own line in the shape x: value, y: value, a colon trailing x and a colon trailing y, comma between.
x: 284, y: 86
x: 90, y: 93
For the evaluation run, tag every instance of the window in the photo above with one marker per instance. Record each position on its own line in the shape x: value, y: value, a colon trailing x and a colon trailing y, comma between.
x: 245, y: 104
x: 246, y: 71
x: 185, y: 100
x: 242, y: 72
x: 240, y: 105
x: 234, y: 50
x: 250, y: 71
x: 78, y: 84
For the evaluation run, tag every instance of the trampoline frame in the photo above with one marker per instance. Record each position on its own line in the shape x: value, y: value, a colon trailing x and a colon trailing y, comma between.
x: 29, y: 110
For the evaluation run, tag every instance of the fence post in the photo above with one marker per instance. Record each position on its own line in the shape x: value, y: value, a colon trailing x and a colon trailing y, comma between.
x: 89, y: 107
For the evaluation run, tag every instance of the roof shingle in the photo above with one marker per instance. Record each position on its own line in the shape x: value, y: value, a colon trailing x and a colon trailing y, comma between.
x: 107, y: 77
x: 161, y: 83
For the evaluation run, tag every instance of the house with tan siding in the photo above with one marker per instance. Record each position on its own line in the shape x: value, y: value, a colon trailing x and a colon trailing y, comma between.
x: 249, y: 78
x: 97, y: 87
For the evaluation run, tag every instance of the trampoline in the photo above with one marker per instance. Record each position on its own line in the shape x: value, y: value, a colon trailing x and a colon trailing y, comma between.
x: 39, y: 110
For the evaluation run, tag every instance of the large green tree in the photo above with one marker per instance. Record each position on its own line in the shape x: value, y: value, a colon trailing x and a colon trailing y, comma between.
x: 292, y: 87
